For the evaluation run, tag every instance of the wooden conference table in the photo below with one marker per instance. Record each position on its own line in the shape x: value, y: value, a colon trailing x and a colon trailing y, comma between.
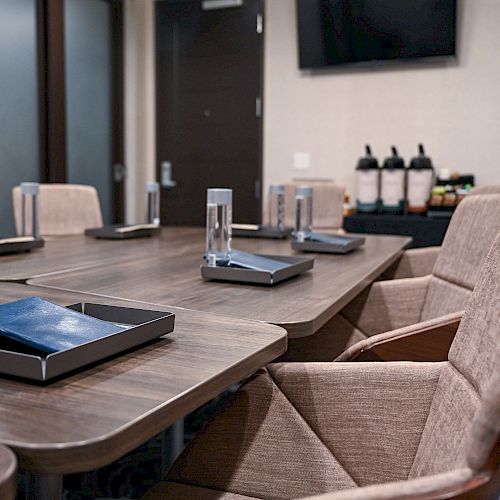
x: 167, y: 272
x: 93, y: 417
x: 64, y: 253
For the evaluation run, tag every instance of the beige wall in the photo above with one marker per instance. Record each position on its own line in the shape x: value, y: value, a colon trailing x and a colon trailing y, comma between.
x: 140, y: 133
x: 453, y: 108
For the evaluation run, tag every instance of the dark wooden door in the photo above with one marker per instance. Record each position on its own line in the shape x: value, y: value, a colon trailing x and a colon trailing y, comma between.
x: 209, y: 105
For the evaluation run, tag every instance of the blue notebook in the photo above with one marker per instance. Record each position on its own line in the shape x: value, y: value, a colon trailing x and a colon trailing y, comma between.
x: 50, y: 328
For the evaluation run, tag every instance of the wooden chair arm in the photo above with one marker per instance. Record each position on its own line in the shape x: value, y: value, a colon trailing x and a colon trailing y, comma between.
x: 482, y: 485
x: 430, y: 343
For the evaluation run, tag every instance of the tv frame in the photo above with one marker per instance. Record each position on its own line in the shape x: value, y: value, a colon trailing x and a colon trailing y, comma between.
x: 380, y: 63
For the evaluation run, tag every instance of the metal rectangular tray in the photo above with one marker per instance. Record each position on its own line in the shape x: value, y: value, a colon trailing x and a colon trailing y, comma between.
x: 297, y: 266
x: 19, y: 246
x: 111, y: 233
x: 149, y: 324
x: 351, y: 243
x: 248, y: 231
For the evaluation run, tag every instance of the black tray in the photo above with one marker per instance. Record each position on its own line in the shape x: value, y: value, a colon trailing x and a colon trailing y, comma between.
x: 439, y: 213
x: 123, y: 231
x: 149, y: 325
x: 19, y: 244
x: 297, y: 266
x: 345, y: 244
x: 260, y: 231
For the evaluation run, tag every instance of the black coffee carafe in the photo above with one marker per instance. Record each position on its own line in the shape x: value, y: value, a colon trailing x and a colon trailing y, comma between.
x: 367, y: 182
x: 392, y: 185
x: 420, y: 180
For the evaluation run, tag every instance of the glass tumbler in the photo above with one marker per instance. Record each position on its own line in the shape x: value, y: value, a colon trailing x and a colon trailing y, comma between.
x: 303, y: 212
x: 153, y: 192
x: 219, y: 220
x: 29, y: 194
x: 277, y: 206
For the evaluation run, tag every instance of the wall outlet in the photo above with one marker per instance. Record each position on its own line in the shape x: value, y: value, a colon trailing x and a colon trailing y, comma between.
x: 301, y: 161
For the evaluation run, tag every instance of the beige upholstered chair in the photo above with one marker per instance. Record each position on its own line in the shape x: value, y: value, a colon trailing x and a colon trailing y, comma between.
x: 414, y: 303
x: 64, y: 209
x: 8, y: 469
x: 359, y: 430
x: 417, y: 262
x: 328, y: 203
x: 414, y: 263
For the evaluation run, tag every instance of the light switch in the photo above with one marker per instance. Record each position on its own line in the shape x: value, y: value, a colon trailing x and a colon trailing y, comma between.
x: 301, y: 161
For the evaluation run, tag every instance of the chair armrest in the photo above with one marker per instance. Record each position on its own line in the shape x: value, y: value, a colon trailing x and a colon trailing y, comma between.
x: 413, y: 263
x: 426, y: 341
x: 387, y: 305
x: 445, y: 485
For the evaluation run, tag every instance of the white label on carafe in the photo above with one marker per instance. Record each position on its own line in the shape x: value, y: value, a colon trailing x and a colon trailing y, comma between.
x: 419, y: 187
x: 367, y: 186
x: 393, y: 186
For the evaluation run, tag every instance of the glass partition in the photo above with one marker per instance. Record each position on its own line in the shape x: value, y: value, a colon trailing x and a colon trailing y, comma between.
x: 19, y: 144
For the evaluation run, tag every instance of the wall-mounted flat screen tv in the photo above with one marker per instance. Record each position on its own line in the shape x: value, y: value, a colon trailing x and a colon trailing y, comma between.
x: 332, y: 32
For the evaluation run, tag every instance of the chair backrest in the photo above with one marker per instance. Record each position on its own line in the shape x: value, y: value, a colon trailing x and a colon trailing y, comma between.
x: 471, y: 232
x: 328, y: 203
x: 492, y: 189
x: 64, y: 209
x: 463, y: 421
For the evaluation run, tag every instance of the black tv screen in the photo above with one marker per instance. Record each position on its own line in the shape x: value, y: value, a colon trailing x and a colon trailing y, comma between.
x: 332, y: 32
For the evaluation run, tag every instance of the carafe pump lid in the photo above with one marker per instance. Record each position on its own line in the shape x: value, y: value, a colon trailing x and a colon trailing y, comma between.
x: 421, y: 161
x: 394, y: 161
x: 367, y: 161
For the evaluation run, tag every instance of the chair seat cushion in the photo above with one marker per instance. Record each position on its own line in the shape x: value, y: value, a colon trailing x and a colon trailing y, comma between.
x: 167, y: 489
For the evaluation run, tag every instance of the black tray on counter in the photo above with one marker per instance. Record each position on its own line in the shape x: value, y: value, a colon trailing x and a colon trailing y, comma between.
x: 259, y: 231
x: 328, y: 243
x: 123, y: 231
x: 296, y: 265
x: 20, y: 244
x: 148, y: 325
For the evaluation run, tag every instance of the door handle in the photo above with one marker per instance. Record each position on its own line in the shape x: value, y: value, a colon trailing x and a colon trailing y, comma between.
x: 119, y: 172
x: 257, y: 189
x: 166, y: 175
x: 258, y: 107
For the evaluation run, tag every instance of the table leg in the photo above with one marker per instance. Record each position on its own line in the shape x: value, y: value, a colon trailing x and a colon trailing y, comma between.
x: 172, y: 444
x: 44, y: 486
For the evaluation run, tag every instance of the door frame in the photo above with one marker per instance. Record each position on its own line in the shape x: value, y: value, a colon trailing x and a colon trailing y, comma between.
x: 52, y: 97
x: 259, y: 188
